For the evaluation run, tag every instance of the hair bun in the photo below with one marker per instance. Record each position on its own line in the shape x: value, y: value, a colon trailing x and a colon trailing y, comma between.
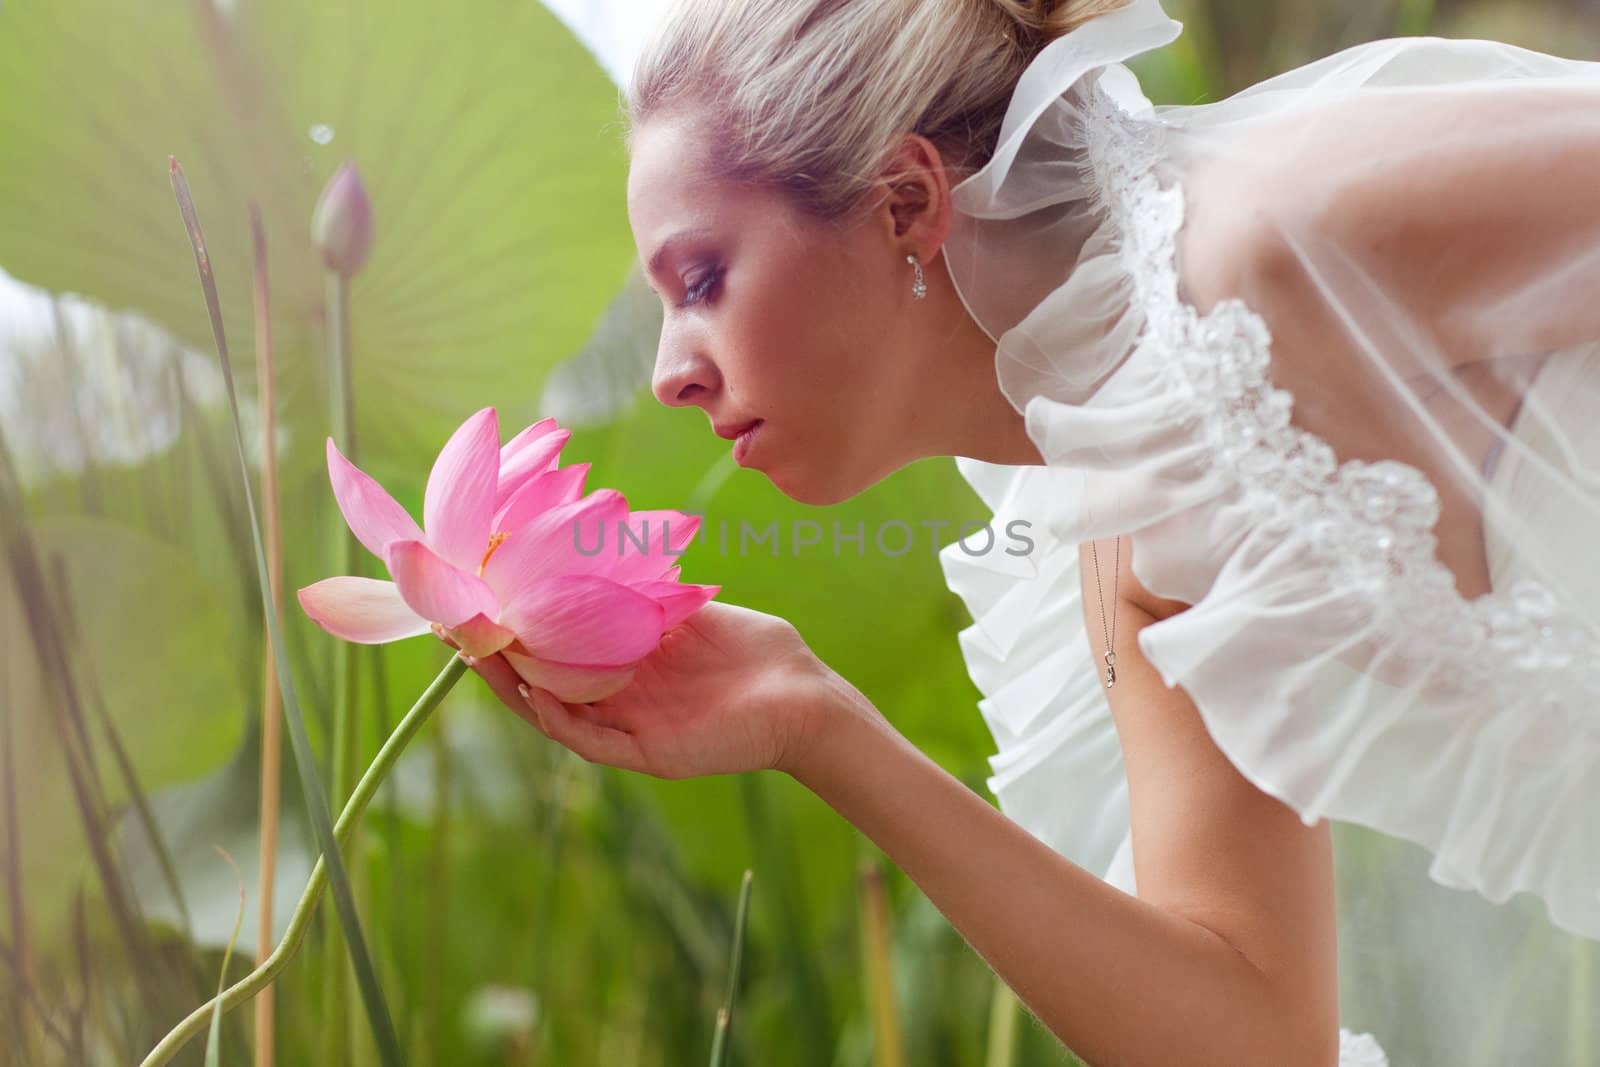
x: 1046, y: 20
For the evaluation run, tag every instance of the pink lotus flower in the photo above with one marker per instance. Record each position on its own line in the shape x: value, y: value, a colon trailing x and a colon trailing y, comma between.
x: 515, y: 559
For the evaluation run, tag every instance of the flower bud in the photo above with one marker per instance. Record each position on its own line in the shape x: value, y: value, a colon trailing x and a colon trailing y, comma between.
x: 341, y: 225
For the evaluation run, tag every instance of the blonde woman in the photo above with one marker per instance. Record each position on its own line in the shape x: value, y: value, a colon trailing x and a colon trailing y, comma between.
x: 1298, y: 394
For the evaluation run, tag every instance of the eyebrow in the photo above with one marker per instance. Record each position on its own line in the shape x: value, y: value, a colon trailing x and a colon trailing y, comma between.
x: 660, y: 256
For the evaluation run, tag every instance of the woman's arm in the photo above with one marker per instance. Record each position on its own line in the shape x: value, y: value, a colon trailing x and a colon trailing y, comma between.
x: 1225, y: 958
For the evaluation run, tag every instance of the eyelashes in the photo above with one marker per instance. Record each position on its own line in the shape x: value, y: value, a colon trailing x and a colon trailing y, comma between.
x: 700, y: 290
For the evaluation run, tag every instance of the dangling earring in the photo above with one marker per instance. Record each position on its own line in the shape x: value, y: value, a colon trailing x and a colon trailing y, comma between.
x: 919, y: 288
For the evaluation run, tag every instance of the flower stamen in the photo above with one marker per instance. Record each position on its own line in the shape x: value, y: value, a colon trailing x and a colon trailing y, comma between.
x: 495, y: 541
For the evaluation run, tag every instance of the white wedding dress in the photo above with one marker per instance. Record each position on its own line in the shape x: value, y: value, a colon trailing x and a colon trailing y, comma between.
x: 1454, y: 742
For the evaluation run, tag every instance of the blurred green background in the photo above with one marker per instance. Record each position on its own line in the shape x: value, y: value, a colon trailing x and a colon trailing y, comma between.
x: 524, y: 906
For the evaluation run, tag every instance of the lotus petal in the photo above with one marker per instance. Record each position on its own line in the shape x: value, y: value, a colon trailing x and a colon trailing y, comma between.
x: 539, y: 494
x: 575, y: 538
x: 371, y: 513
x: 571, y: 682
x: 583, y: 618
x: 527, y: 456
x: 364, y: 610
x: 482, y: 636
x: 434, y: 589
x: 458, y: 503
x: 678, y: 600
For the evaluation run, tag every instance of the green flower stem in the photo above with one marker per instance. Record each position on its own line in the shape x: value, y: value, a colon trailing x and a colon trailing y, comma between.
x: 346, y: 755
x: 365, y: 790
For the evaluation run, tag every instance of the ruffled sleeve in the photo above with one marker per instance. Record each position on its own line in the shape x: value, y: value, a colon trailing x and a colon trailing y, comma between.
x: 1326, y: 647
x: 1059, y: 767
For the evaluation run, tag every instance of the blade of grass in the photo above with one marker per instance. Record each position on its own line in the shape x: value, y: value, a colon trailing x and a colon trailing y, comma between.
x: 773, y: 846
x: 80, y: 1011
x: 554, y: 817
x: 22, y: 985
x: 719, y: 1040
x: 26, y: 991
x: 435, y: 938
x: 388, y: 878
x: 271, y: 722
x: 1004, y: 1013
x: 214, y: 1037
x: 263, y: 975
x: 316, y: 799
x: 193, y: 428
x: 875, y: 940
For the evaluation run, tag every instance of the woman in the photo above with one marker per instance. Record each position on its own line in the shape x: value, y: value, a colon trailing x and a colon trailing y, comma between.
x: 1296, y: 391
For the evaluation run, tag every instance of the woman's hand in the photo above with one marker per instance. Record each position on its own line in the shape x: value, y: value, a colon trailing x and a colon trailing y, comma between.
x: 728, y: 690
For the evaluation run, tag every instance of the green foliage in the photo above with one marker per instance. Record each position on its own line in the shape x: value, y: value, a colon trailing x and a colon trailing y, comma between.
x: 487, y: 139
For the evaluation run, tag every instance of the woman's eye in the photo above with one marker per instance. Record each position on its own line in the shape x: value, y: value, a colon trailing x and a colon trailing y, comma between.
x: 700, y: 289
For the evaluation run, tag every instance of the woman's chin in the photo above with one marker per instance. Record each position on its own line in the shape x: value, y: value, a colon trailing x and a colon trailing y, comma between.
x: 813, y: 492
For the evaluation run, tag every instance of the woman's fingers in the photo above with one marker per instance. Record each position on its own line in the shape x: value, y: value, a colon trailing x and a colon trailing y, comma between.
x: 570, y: 725
x: 574, y: 725
x: 501, y: 678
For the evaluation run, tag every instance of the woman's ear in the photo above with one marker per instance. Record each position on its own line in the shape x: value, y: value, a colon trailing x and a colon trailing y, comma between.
x: 915, y: 194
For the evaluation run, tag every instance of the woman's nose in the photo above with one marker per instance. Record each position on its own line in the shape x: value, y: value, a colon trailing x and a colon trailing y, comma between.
x: 679, y: 379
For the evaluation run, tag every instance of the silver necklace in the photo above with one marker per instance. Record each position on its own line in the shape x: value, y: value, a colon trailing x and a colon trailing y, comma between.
x: 1110, y: 635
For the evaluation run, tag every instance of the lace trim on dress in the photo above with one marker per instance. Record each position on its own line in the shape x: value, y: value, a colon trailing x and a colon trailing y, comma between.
x: 1371, y: 522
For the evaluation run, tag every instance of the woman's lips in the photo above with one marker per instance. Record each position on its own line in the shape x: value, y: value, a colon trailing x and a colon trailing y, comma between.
x: 743, y: 442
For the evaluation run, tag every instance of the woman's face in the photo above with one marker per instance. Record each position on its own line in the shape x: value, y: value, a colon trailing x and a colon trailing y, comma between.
x: 771, y: 316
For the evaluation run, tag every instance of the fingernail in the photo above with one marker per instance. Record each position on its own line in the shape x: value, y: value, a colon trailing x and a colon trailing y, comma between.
x: 471, y: 661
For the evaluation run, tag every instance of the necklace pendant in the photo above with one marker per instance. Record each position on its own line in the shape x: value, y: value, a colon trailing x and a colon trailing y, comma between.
x: 1111, y: 677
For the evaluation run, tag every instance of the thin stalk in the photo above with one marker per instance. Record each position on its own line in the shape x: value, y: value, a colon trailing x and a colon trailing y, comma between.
x: 1004, y: 1013
x: 346, y: 737
x: 887, y: 1045
x: 542, y: 921
x: 22, y: 986
x: 719, y: 1040
x: 25, y: 990
x: 365, y: 790
x: 305, y: 762
x: 80, y: 1011
x: 774, y: 850
x: 214, y: 1037
x: 436, y: 936
x: 389, y: 880
x: 271, y: 722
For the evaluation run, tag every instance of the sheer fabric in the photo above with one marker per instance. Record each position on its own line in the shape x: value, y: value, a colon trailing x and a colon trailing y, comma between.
x: 1373, y: 477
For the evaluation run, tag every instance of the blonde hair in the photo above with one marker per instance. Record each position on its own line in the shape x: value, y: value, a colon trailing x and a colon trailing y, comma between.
x: 811, y: 97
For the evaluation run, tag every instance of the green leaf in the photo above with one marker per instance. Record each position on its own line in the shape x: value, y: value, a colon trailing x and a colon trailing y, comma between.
x: 488, y: 140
